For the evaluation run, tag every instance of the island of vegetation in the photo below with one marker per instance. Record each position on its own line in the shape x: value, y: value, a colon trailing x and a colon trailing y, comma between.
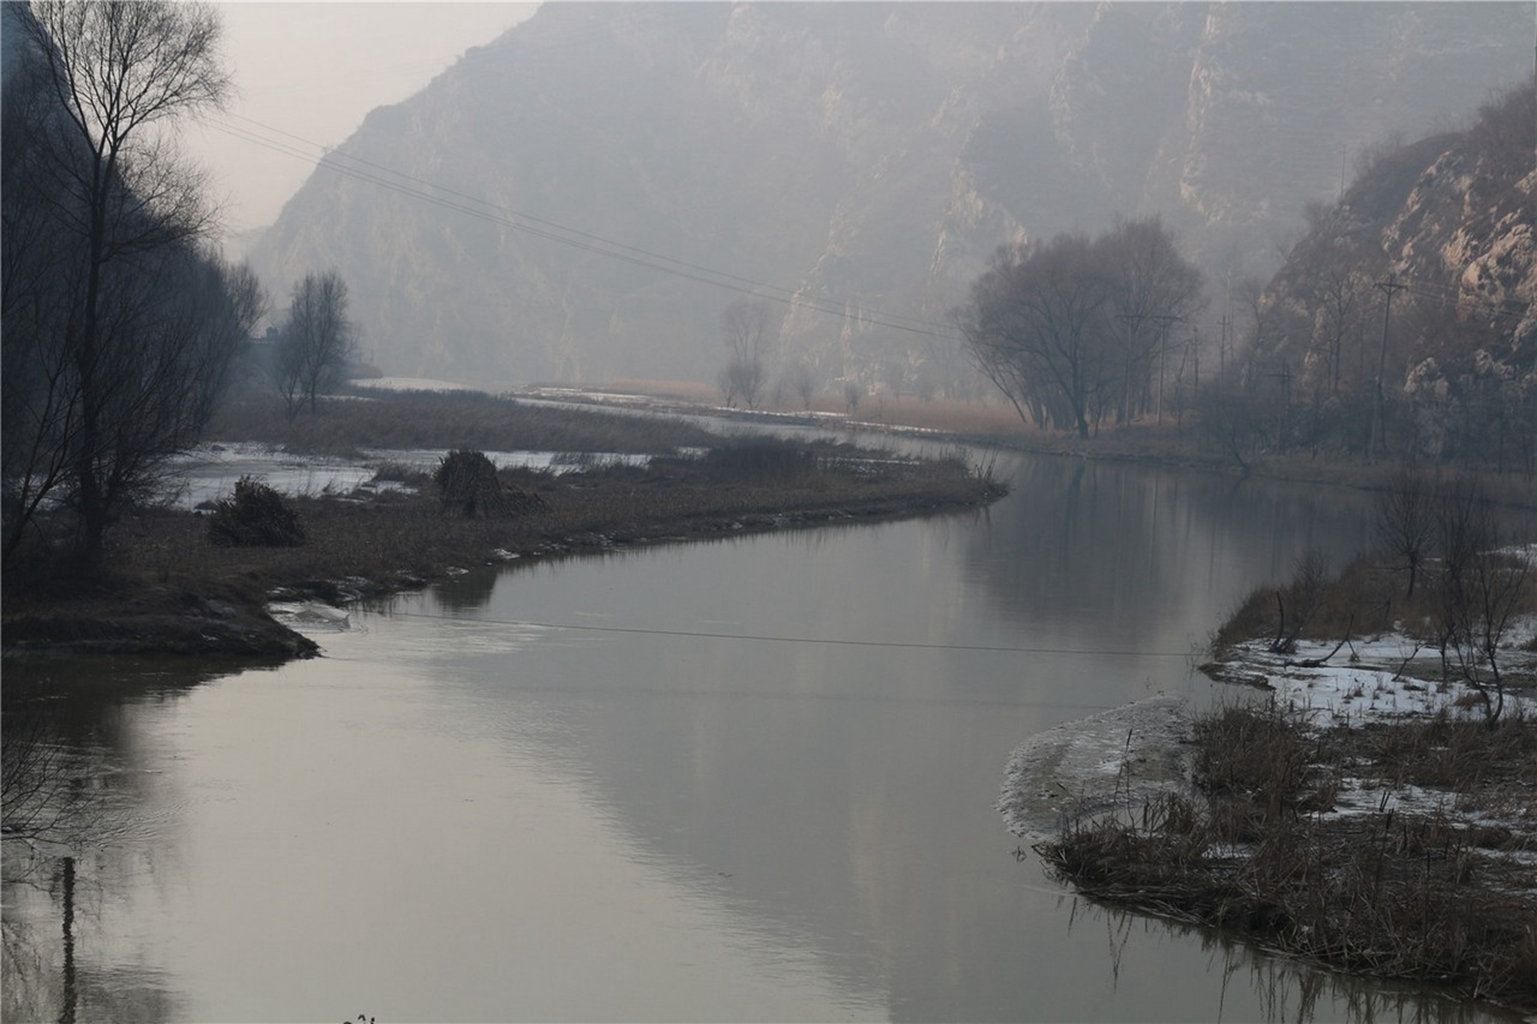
x: 1374, y: 809
x: 175, y: 580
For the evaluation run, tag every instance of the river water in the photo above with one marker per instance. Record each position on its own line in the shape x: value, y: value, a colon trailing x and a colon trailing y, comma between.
x: 752, y: 779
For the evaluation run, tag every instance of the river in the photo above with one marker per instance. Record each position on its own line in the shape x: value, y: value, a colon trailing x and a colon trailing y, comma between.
x: 752, y: 779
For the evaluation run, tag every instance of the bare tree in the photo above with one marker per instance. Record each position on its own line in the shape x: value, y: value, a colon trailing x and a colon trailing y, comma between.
x: 315, y: 342
x: 40, y: 797
x: 1479, y: 590
x: 801, y: 382
x: 894, y: 374
x: 852, y: 393
x: 1151, y: 287
x: 119, y: 214
x: 748, y: 327
x: 1405, y: 521
x: 1300, y: 600
x: 1034, y: 328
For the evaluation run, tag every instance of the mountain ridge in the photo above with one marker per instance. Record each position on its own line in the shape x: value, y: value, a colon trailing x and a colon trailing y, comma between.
x: 857, y: 156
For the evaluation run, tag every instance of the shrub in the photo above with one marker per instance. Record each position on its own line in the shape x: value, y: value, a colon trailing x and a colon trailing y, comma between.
x: 1258, y: 754
x: 760, y: 459
x: 254, y: 516
x: 468, y: 484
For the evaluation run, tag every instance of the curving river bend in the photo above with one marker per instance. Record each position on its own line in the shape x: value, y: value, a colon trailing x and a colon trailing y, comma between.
x: 743, y: 780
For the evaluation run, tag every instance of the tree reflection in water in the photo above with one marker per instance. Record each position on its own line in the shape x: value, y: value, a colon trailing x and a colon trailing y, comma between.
x: 1286, y: 990
x: 67, y: 815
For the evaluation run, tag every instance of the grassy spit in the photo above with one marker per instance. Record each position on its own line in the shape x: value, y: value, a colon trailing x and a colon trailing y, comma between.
x: 1438, y: 889
x: 172, y: 589
x: 1368, y: 816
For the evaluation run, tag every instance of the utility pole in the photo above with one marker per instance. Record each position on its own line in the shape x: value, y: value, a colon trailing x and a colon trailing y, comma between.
x: 1378, y: 436
x: 1163, y: 320
x: 1135, y: 319
x: 1195, y: 351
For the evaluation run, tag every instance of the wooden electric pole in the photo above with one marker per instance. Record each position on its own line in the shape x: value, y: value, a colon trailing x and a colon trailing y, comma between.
x: 1163, y: 320
x: 1378, y: 436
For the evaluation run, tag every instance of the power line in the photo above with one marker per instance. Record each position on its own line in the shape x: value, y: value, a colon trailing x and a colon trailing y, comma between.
x: 490, y: 212
x: 778, y: 638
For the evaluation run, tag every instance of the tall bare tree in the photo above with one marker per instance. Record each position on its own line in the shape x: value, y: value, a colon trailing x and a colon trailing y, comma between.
x: 748, y: 327
x: 1405, y: 521
x: 1035, y: 328
x: 1479, y: 589
x: 119, y: 215
x: 315, y: 342
x: 1068, y: 329
x: 1151, y: 287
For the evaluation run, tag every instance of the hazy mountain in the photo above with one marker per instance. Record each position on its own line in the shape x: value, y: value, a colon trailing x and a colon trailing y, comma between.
x: 1447, y: 226
x: 865, y: 157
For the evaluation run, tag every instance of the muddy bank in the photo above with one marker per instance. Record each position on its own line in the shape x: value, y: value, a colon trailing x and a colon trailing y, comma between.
x: 153, y: 623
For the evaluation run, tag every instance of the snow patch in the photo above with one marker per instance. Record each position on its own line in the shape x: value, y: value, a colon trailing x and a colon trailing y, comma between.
x: 1111, y: 760
x: 310, y: 616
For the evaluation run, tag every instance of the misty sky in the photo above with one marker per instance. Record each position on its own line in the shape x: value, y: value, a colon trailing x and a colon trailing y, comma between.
x: 313, y: 70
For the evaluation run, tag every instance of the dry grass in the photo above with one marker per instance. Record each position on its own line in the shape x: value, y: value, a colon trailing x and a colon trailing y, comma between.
x: 1452, y: 754
x: 163, y: 563
x: 462, y: 420
x: 395, y: 537
x: 983, y: 418
x: 1362, y: 600
x: 1443, y: 895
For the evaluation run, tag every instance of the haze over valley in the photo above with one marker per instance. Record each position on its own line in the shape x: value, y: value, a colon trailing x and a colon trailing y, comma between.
x: 547, y: 207
x: 768, y: 511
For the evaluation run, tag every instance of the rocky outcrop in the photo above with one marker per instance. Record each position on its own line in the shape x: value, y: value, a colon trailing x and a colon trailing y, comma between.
x: 1448, y: 222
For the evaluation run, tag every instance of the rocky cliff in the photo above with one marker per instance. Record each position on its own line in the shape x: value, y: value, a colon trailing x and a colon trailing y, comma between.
x: 1424, y: 273
x: 858, y: 161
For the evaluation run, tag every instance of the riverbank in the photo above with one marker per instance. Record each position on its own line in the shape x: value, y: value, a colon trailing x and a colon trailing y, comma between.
x: 1175, y: 442
x: 171, y: 589
x: 1351, y: 807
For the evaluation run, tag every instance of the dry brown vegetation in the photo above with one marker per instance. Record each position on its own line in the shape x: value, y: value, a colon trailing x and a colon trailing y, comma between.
x: 1399, y: 844
x: 1442, y: 891
x: 465, y: 420
x: 171, y: 588
x: 981, y: 418
x: 1365, y: 598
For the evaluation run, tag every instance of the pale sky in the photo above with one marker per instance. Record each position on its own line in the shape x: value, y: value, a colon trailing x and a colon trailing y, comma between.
x: 313, y: 70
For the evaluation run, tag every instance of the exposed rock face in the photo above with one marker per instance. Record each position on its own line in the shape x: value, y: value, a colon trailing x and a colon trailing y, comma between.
x: 1449, y: 222
x: 856, y: 156
x: 1425, y: 274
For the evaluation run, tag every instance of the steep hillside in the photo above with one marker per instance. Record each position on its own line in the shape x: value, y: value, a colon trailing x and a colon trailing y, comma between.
x: 1444, y: 228
x: 857, y: 156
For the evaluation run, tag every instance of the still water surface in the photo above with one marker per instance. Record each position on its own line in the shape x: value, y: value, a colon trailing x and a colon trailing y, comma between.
x: 544, y: 795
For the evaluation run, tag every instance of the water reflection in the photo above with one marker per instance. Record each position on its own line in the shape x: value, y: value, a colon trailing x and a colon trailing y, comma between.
x: 1082, y: 546
x: 470, y: 591
x: 459, y: 814
x: 57, y: 911
x: 1283, y: 989
x: 78, y: 819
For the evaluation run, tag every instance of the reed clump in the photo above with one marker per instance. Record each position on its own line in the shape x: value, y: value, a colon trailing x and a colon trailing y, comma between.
x: 1438, y: 890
